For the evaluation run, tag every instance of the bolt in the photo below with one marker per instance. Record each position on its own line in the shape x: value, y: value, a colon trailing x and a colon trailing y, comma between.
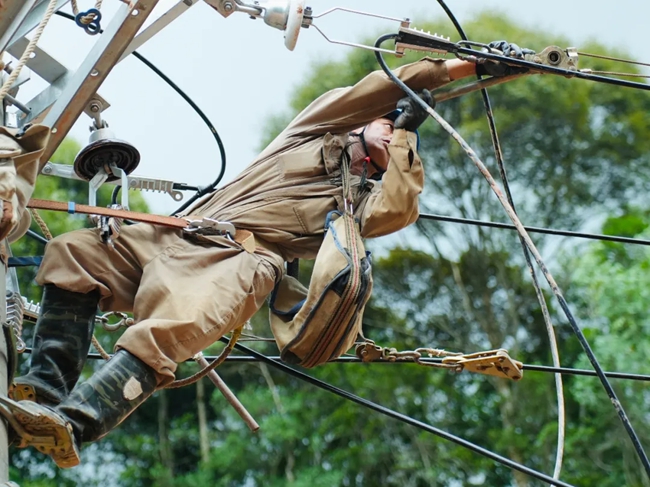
x: 189, y: 3
x: 95, y: 107
x: 227, y: 7
x: 47, y: 169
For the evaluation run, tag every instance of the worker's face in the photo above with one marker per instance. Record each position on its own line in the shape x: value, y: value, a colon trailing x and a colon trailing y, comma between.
x: 378, y: 135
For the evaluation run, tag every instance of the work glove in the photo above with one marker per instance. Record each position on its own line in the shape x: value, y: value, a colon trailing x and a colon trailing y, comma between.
x: 494, y: 68
x: 413, y: 115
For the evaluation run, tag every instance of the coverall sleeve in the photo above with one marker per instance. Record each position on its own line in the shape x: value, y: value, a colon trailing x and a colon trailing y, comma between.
x: 345, y: 109
x: 20, y: 165
x: 393, y: 204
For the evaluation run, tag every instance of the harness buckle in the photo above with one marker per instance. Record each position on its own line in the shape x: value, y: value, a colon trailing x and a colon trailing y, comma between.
x: 210, y: 226
x: 492, y: 362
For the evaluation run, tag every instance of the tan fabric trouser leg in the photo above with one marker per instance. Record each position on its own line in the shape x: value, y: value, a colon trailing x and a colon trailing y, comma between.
x: 184, y: 295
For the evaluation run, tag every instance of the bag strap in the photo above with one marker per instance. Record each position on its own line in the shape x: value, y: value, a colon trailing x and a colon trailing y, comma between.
x: 347, y: 188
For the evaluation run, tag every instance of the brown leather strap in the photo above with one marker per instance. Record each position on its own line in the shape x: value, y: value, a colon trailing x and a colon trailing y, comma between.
x: 243, y: 237
x: 167, y: 221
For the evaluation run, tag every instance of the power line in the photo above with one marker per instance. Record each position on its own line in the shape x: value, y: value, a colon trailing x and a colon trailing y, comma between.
x: 234, y: 359
x: 547, y: 231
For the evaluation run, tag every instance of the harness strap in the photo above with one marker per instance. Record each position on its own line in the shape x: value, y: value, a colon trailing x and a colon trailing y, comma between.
x: 72, y: 207
x: 243, y: 237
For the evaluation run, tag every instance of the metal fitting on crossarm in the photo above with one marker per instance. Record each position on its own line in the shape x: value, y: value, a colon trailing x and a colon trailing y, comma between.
x: 285, y: 15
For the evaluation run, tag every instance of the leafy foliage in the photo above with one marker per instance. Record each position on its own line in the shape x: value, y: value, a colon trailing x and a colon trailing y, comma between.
x: 577, y: 154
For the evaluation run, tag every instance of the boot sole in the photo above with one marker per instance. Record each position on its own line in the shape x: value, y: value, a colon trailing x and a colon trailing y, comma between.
x: 46, y: 431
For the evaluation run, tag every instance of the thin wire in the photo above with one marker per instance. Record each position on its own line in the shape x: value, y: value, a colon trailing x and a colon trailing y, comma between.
x: 555, y: 353
x: 222, y: 151
x: 544, y: 68
x: 354, y: 360
x: 533, y: 249
x: 401, y: 417
x: 617, y: 73
x: 547, y: 231
x: 610, y: 58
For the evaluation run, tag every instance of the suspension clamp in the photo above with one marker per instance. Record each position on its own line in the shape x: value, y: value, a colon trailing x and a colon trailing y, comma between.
x: 493, y: 362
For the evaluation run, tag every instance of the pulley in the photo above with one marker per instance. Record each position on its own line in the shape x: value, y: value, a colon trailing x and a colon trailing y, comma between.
x: 104, y: 149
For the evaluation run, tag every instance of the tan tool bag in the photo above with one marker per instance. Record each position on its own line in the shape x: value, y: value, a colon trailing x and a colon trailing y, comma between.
x: 314, y: 326
x: 320, y: 324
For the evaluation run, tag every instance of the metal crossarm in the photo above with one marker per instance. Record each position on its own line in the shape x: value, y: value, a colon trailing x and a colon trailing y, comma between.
x: 13, y: 14
x: 100, y: 61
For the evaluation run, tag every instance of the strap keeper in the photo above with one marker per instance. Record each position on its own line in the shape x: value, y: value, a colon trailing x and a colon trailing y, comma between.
x: 71, y: 207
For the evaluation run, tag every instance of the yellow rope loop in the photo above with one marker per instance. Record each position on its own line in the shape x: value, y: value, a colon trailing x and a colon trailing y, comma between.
x: 41, y: 223
x: 100, y: 349
x: 220, y: 359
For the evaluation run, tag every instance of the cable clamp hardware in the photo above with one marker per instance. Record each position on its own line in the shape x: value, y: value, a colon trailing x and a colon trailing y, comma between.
x: 493, y: 362
x: 210, y: 226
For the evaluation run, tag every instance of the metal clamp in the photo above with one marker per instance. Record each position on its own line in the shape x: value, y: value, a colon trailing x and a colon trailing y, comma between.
x: 493, y: 362
x: 210, y: 226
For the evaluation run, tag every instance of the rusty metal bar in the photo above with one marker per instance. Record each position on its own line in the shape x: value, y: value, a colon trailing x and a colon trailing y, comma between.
x: 228, y: 394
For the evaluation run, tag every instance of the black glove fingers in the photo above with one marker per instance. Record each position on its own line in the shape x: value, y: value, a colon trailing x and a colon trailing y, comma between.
x: 515, y: 51
x: 428, y: 98
x: 404, y: 103
x: 502, y: 46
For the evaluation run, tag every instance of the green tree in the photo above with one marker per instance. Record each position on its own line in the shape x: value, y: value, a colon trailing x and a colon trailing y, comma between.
x: 575, y: 151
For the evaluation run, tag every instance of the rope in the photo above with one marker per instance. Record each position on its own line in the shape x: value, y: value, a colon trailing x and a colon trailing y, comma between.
x: 41, y: 223
x: 28, y: 51
x: 99, y: 348
x: 202, y: 373
x: 86, y: 19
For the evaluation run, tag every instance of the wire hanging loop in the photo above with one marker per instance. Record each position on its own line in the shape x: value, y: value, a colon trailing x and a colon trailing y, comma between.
x: 89, y: 21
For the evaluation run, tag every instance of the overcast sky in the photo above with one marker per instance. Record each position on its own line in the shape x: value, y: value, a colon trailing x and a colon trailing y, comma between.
x: 239, y: 71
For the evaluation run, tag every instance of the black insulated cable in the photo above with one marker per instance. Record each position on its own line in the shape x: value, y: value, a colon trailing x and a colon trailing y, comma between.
x: 200, y: 191
x: 558, y: 294
x: 400, y: 417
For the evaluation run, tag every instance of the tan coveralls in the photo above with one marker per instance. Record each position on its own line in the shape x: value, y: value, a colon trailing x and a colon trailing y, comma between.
x: 188, y: 291
x: 20, y: 164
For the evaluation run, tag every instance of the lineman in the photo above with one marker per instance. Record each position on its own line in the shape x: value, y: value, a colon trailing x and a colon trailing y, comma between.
x: 188, y: 290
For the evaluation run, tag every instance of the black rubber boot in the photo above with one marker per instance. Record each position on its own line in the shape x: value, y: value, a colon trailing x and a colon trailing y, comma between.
x: 92, y: 410
x: 62, y: 338
x: 102, y: 402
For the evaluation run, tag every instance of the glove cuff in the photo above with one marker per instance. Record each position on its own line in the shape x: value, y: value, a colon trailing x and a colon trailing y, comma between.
x: 480, y: 69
